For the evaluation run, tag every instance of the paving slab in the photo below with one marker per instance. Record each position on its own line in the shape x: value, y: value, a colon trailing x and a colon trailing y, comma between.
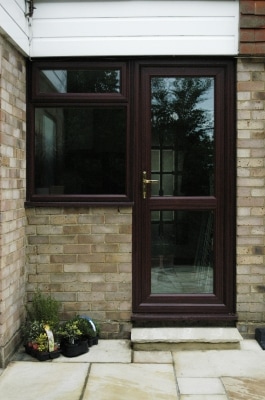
x: 112, y: 371
x: 130, y: 382
x: 43, y: 381
x: 152, y: 357
x: 203, y: 397
x: 217, y: 363
x: 200, y: 386
x: 244, y: 388
x: 250, y: 344
x: 106, y: 351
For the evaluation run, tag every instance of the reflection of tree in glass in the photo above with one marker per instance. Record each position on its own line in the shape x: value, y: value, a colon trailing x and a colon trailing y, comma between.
x: 93, y: 81
x: 182, y: 119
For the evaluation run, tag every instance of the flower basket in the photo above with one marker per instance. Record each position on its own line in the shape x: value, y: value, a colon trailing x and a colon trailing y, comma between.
x: 75, y: 349
x: 42, y: 355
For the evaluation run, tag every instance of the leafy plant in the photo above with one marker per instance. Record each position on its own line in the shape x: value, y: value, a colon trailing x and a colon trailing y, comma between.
x: 77, y: 328
x: 35, y: 336
x: 31, y: 330
x: 44, y: 309
x: 41, y: 342
x: 85, y: 327
x: 70, y: 331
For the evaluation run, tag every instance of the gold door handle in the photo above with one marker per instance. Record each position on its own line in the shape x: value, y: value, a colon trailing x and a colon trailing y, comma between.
x: 145, y: 181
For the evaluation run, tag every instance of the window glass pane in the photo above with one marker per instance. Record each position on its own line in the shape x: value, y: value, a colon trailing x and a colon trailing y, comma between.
x: 80, y: 150
x: 182, y: 136
x: 80, y: 81
x: 182, y: 251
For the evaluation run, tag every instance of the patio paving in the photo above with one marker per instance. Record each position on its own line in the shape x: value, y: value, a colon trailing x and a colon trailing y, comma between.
x: 113, y: 371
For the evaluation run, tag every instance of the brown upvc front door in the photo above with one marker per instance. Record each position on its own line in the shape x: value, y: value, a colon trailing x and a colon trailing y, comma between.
x: 184, y: 213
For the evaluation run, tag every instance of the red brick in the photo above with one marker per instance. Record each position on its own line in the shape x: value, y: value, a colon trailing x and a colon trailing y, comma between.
x: 247, y: 35
x: 247, y: 48
x: 260, y: 48
x: 260, y: 7
x: 252, y: 48
x: 252, y: 21
x: 259, y: 35
x: 247, y: 7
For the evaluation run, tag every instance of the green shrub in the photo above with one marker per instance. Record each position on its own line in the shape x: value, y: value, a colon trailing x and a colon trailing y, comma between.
x: 44, y: 309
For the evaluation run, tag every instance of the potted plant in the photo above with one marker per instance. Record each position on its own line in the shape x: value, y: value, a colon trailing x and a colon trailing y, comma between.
x: 89, y: 329
x: 73, y: 339
x: 43, y: 308
x: 39, y: 341
x: 40, y: 329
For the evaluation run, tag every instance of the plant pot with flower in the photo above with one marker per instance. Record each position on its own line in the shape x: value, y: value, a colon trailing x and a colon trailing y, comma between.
x: 40, y: 343
x: 39, y: 332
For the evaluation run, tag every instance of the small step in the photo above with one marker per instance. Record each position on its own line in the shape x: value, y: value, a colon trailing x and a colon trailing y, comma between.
x: 185, y: 338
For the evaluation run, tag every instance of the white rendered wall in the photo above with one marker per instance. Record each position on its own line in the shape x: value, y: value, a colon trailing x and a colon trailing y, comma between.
x: 134, y: 27
x: 14, y: 24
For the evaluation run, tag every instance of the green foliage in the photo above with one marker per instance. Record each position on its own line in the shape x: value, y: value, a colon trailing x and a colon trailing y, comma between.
x: 70, y: 331
x: 77, y: 328
x: 86, y: 328
x: 41, y: 342
x: 31, y: 330
x: 44, y: 309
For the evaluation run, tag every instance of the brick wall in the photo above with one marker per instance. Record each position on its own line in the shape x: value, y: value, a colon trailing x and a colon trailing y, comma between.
x: 82, y: 256
x: 252, y: 27
x: 12, y: 189
x: 251, y: 194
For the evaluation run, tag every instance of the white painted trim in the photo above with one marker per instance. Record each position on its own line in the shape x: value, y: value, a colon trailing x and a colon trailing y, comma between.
x: 135, y: 27
x: 132, y: 46
x: 123, y: 27
x: 13, y: 23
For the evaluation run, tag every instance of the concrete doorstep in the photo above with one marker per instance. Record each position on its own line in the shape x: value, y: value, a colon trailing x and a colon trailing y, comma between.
x: 185, y: 338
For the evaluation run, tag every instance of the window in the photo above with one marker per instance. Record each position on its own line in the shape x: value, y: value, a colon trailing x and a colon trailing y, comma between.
x: 79, y: 133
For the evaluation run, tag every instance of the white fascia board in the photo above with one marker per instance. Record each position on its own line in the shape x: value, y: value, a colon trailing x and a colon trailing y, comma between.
x: 133, y: 46
x: 135, y: 27
x: 14, y: 24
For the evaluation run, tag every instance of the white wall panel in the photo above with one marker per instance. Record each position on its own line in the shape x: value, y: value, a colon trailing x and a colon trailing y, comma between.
x: 125, y: 27
x: 135, y: 27
x: 14, y: 24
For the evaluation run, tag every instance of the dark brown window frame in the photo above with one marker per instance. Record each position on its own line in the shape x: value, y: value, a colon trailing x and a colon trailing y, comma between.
x: 37, y: 99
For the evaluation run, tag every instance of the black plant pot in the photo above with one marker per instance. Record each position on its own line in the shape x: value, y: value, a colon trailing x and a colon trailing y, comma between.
x: 74, y: 350
x: 42, y: 355
x: 92, y: 340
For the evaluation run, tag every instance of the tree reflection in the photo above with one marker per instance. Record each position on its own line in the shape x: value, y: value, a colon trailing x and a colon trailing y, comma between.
x: 93, y: 81
x: 182, y: 119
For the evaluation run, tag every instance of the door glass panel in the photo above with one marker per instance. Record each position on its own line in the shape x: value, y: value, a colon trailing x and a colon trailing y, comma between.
x: 182, y: 154
x: 182, y: 252
x: 182, y: 160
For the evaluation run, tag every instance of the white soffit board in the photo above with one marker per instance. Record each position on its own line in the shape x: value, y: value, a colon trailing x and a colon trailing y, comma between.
x: 134, y: 27
x: 13, y: 23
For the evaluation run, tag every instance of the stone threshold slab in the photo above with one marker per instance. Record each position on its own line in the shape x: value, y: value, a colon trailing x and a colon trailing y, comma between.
x: 185, y: 338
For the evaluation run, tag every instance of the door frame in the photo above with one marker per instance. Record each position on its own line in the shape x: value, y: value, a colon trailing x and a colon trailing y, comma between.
x: 221, y: 304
